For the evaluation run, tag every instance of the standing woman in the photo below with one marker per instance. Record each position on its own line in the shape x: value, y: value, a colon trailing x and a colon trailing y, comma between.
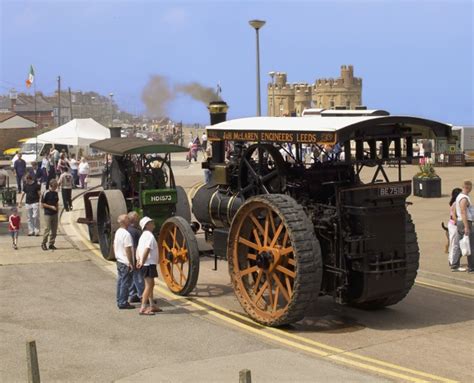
x: 454, y: 250
x: 465, y: 216
x: 74, y: 165
x: 147, y: 258
x: 83, y: 172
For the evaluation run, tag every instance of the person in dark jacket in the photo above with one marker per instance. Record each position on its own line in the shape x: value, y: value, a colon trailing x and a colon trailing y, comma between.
x: 138, y: 283
x: 19, y: 168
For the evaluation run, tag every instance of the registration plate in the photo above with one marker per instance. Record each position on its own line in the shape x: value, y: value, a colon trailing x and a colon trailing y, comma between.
x: 395, y: 190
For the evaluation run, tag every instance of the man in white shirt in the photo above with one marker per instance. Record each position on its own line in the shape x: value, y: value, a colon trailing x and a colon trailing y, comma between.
x: 123, y: 249
x: 147, y: 258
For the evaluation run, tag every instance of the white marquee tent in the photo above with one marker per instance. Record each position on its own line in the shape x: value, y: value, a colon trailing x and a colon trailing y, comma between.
x: 77, y: 132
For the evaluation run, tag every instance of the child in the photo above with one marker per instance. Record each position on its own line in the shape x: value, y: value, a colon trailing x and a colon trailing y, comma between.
x: 14, y: 226
x: 147, y: 258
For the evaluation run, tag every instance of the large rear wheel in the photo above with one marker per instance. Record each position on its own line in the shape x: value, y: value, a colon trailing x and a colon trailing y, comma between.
x: 274, y: 259
x: 110, y: 205
x: 92, y: 227
x: 179, y: 255
x: 412, y: 253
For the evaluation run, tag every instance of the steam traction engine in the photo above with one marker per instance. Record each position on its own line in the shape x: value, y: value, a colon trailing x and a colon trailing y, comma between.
x: 287, y: 207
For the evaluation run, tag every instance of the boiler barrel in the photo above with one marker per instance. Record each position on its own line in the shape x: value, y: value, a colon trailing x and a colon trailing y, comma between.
x: 214, y: 207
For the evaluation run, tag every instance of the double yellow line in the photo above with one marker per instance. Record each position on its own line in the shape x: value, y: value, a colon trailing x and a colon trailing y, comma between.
x: 283, y: 337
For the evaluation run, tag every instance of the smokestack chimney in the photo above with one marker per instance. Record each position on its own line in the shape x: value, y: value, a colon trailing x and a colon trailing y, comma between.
x: 13, y: 97
x: 115, y: 131
x: 218, y: 113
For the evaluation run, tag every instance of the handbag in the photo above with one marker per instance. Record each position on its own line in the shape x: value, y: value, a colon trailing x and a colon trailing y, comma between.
x: 465, y: 246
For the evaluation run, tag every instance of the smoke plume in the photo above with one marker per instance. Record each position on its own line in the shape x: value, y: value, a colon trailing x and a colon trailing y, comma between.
x: 158, y: 93
x: 198, y: 92
x: 156, y: 96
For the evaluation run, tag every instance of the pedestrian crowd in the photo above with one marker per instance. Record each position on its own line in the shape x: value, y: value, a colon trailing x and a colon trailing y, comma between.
x: 38, y: 188
x: 136, y: 252
x: 461, y: 235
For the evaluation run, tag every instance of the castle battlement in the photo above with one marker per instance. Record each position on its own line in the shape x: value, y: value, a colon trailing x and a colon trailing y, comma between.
x: 292, y: 98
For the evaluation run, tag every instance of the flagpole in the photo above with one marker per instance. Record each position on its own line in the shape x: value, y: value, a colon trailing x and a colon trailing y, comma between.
x: 36, y: 120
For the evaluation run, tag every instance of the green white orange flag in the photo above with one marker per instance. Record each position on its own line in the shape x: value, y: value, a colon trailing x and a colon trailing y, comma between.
x: 31, y: 77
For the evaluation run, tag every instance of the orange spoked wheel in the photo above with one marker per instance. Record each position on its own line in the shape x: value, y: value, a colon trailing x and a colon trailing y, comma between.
x: 179, y: 255
x: 274, y: 259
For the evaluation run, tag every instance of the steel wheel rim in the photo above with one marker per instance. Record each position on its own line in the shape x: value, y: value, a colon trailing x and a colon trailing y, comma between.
x: 264, y: 261
x: 174, y: 258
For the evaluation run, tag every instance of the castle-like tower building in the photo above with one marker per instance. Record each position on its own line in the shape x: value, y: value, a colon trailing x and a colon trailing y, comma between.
x: 292, y: 99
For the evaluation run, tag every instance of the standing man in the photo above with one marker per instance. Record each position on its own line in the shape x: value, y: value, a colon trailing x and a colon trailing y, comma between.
x: 428, y: 148
x: 35, y: 172
x: 65, y: 183
x: 204, y: 141
x: 45, y: 171
x: 138, y: 283
x: 123, y: 249
x: 32, y: 191
x: 465, y: 215
x: 49, y: 202
x: 19, y: 168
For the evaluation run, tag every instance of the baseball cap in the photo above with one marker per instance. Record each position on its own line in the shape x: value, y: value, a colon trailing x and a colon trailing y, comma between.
x: 144, y: 221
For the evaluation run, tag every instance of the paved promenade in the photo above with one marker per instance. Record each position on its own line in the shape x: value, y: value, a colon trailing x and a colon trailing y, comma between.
x: 65, y: 299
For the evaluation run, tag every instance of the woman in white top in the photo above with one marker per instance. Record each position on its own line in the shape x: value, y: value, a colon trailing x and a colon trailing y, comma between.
x: 454, y: 250
x: 147, y: 258
x: 83, y: 172
x: 465, y: 214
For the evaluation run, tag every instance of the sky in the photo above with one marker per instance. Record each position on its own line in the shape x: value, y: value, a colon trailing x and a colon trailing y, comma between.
x: 415, y: 57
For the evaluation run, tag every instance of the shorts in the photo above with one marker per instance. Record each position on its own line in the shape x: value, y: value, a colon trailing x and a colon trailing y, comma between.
x: 14, y: 233
x: 149, y: 271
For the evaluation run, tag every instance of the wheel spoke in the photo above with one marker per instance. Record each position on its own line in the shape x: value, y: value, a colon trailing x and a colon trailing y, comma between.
x: 248, y: 270
x: 282, y: 288
x: 182, y: 276
x: 257, y: 281
x: 277, y: 234
x: 246, y: 242
x: 291, y: 261
x: 175, y: 244
x: 251, y: 256
x: 285, y: 239
x: 265, y: 234
x: 275, y: 302
x: 286, y: 250
x: 165, y: 245
x: 250, y: 167
x: 284, y: 270
x: 261, y: 291
x: 257, y: 238
x: 270, y: 294
x: 256, y: 223
x: 269, y: 176
x: 288, y: 286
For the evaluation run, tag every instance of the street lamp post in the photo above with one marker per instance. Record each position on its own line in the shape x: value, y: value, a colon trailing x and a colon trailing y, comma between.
x: 111, y: 95
x: 272, y: 75
x: 257, y: 24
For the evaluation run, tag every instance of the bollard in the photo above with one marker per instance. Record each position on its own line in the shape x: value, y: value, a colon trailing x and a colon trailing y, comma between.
x: 32, y: 361
x: 245, y: 376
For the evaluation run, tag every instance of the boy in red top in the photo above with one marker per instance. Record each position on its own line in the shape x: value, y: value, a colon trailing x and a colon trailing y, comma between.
x: 14, y: 221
